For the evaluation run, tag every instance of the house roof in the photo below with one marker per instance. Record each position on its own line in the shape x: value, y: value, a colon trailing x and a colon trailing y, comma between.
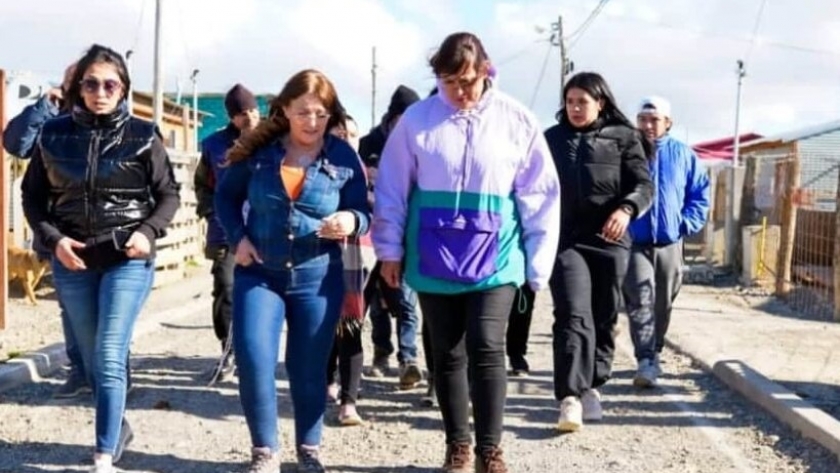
x: 799, y: 134
x: 721, y: 148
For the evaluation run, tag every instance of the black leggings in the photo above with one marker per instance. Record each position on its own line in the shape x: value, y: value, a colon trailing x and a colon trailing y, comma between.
x: 469, y: 329
x: 347, y: 356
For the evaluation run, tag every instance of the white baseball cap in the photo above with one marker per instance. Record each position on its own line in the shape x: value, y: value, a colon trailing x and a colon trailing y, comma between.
x: 655, y: 105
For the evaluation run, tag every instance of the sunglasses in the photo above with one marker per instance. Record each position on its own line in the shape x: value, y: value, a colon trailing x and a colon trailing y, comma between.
x: 92, y: 86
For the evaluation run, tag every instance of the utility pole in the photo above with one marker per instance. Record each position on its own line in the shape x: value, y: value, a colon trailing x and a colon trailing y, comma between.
x: 128, y: 93
x: 194, y: 80
x: 157, y: 116
x: 558, y: 40
x: 734, y: 195
x: 373, y: 88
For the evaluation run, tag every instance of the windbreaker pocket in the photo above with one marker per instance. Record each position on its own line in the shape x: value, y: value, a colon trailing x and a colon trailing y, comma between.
x: 462, y: 247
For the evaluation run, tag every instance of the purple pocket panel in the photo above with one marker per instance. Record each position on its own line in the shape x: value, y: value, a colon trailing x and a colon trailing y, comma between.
x: 460, y: 246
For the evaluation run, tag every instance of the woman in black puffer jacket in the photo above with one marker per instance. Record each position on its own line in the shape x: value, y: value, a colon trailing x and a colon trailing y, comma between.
x: 98, y: 191
x: 602, y: 162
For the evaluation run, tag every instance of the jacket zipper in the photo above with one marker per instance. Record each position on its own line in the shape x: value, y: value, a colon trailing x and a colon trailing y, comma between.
x: 93, y: 161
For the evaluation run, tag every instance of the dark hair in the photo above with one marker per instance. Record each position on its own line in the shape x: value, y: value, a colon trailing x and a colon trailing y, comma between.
x: 97, y: 54
x: 457, y: 52
x: 595, y: 85
x: 276, y: 125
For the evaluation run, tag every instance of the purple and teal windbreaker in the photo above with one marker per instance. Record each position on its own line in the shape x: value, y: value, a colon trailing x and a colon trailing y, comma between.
x: 468, y: 200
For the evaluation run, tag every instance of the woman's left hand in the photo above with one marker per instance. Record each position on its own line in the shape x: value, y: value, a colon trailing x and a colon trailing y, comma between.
x: 616, y: 225
x: 338, y: 225
x: 138, y: 246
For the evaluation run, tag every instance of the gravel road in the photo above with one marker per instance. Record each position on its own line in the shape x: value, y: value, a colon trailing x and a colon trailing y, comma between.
x: 692, y: 424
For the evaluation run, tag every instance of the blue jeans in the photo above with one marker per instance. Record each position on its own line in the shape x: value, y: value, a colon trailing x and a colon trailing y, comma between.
x: 102, y: 306
x: 309, y: 300
x: 71, y: 346
x: 402, y: 303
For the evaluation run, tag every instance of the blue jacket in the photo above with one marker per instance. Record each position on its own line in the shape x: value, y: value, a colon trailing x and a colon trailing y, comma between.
x: 681, y: 200
x: 283, y: 230
x: 207, y: 175
x: 22, y: 131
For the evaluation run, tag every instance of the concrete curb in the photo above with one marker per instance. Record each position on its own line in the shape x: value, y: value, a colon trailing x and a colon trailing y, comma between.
x: 34, y: 366
x: 780, y: 402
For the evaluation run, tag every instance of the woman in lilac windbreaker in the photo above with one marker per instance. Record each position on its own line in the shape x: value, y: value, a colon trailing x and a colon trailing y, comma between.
x: 468, y: 205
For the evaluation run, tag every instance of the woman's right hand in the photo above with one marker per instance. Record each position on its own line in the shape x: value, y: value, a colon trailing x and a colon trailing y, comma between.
x: 65, y: 252
x: 391, y: 272
x: 246, y: 254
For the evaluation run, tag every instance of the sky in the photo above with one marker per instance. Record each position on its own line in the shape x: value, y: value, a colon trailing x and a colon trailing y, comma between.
x: 684, y: 50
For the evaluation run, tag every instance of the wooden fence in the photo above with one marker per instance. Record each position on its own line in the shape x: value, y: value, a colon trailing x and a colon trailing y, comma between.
x: 183, y: 244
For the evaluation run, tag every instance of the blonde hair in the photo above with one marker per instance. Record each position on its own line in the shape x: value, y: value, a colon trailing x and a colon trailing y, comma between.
x: 308, y: 81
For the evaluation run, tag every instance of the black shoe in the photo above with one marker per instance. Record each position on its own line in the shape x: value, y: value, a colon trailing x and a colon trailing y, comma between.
x: 126, y: 436
x: 410, y: 375
x: 308, y: 461
x: 519, y: 367
x: 430, y: 399
x: 76, y: 385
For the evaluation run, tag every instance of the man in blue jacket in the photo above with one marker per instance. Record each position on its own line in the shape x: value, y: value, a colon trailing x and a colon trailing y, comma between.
x: 241, y: 107
x: 680, y: 208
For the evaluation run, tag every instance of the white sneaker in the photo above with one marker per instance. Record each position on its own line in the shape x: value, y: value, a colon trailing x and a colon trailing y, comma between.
x: 646, y: 374
x: 591, y: 401
x: 571, y: 415
x: 103, y: 465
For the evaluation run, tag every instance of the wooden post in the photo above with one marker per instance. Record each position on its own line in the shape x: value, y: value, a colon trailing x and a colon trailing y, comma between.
x: 788, y: 230
x: 709, y: 229
x: 836, y: 260
x: 4, y: 207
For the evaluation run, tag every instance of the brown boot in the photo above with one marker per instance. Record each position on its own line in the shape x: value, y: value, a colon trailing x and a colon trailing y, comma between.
x: 489, y: 460
x: 458, y: 458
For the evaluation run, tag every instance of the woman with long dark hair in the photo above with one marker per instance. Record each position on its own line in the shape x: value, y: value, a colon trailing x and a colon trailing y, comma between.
x: 98, y: 192
x: 602, y: 161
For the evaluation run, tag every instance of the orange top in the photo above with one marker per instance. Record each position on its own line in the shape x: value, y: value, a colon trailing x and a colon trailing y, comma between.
x: 292, y: 177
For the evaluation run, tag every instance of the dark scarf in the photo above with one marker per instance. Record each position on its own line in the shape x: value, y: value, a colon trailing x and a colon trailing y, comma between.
x: 108, y: 121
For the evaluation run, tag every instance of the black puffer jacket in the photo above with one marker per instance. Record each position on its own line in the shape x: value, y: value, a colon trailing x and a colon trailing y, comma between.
x: 97, y: 178
x: 601, y: 167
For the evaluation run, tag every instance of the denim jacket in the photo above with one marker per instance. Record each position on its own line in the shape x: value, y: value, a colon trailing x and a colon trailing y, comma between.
x: 283, y: 230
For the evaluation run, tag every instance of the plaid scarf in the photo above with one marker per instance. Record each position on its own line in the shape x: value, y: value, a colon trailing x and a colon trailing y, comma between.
x: 358, y: 258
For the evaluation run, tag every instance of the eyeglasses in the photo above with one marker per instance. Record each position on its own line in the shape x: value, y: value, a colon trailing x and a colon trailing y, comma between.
x: 463, y: 83
x: 308, y: 116
x: 92, y: 86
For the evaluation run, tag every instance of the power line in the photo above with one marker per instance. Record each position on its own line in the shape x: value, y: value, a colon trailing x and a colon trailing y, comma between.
x: 755, y: 29
x: 542, y: 74
x: 730, y: 37
x: 578, y: 33
x: 139, y: 25
x: 518, y: 54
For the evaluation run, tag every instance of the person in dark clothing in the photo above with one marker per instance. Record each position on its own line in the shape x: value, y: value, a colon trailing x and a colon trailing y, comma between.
x: 19, y: 139
x: 244, y: 114
x: 344, y: 371
x: 401, y: 302
x: 602, y: 162
x: 99, y: 191
x: 519, y: 327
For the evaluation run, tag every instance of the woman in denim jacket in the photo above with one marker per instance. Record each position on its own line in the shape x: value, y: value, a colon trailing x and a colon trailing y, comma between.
x: 307, y: 192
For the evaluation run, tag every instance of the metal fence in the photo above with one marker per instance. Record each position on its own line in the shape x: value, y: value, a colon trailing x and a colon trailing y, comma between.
x: 789, y: 227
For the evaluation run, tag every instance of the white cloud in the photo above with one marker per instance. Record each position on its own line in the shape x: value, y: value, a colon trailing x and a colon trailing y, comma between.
x: 682, y: 49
